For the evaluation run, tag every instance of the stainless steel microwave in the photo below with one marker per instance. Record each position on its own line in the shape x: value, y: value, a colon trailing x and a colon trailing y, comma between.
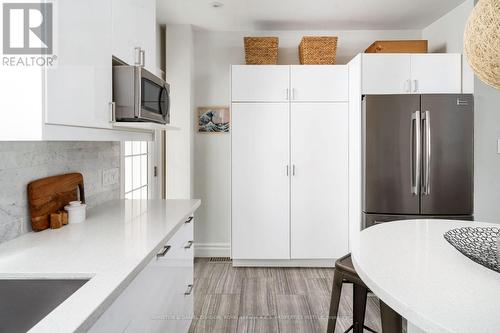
x: 140, y: 95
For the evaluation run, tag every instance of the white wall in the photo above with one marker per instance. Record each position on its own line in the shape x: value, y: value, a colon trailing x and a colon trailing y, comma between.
x: 179, y: 73
x: 214, y: 52
x: 445, y: 35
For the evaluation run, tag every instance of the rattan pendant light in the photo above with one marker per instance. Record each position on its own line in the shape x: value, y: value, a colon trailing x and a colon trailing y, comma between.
x: 482, y: 41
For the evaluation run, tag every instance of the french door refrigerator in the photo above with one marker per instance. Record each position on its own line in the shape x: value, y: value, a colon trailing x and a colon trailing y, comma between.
x: 417, y: 157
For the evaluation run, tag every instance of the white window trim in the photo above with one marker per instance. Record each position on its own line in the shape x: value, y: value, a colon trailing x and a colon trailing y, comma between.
x: 154, y: 159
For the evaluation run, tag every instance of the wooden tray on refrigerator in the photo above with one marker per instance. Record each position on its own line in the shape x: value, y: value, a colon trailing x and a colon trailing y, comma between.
x: 398, y: 46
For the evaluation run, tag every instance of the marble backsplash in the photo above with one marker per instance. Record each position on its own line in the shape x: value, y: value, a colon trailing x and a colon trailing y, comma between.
x: 22, y: 162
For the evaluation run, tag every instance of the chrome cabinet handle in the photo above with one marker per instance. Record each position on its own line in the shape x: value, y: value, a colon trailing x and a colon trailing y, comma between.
x: 163, y: 252
x: 142, y: 58
x: 407, y: 85
x: 287, y: 94
x: 293, y: 94
x: 426, y: 118
x: 287, y: 171
x: 189, y: 244
x: 415, y: 150
x: 112, y: 109
x: 415, y: 85
x: 189, y: 219
x: 189, y: 290
x: 293, y: 169
x: 137, y: 56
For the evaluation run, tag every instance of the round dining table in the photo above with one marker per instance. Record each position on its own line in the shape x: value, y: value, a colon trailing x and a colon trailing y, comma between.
x: 413, y: 269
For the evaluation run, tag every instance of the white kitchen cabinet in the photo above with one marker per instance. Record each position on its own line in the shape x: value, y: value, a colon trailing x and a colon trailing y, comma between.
x: 260, y: 83
x: 436, y: 73
x: 326, y: 83
x: 289, y: 165
x: 78, y: 88
x: 159, y: 299
x: 70, y: 100
x: 134, y: 28
x: 260, y: 181
x: 319, y: 180
x: 411, y: 73
x: 386, y: 74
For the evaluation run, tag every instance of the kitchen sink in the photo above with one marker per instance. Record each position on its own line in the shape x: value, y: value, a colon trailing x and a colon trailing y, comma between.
x: 23, y: 303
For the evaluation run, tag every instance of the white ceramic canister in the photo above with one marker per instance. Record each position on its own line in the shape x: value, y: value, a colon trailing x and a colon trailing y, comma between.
x: 76, y: 212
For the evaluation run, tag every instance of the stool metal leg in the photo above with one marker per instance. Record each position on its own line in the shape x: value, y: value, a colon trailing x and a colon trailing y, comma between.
x: 391, y: 320
x: 359, y: 307
x: 335, y: 301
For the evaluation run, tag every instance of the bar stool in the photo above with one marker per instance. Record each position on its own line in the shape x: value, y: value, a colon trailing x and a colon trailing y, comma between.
x: 345, y: 273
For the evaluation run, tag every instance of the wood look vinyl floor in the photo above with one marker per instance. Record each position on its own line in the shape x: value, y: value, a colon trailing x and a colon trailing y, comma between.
x: 287, y: 300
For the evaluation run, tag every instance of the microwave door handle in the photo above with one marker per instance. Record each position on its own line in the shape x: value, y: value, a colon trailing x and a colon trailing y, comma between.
x: 162, y: 108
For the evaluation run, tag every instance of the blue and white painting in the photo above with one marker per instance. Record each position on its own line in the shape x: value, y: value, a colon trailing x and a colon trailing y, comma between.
x: 213, y: 120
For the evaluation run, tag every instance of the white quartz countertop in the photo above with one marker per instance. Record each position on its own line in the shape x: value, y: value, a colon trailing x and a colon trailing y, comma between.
x: 414, y: 270
x: 111, y: 247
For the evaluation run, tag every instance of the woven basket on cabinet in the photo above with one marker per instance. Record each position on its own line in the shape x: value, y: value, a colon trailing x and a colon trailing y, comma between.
x: 318, y: 50
x: 261, y: 50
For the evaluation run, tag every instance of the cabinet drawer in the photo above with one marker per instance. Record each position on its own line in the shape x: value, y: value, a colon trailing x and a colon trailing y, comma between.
x: 180, y: 246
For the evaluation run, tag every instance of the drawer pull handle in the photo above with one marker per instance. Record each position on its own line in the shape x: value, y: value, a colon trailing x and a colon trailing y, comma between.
x: 189, y: 290
x: 189, y: 219
x: 163, y: 252
x: 188, y: 245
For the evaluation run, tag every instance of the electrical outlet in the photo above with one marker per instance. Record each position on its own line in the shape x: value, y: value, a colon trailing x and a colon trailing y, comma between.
x: 110, y: 176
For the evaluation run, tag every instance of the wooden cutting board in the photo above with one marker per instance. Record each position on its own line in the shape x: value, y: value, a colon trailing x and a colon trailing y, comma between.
x: 51, y: 194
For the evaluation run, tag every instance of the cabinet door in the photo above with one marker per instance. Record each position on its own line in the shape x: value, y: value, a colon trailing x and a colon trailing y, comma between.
x: 260, y: 181
x: 385, y: 73
x: 319, y: 181
x: 134, y: 25
x: 78, y: 87
x: 436, y: 73
x: 319, y: 83
x: 258, y: 83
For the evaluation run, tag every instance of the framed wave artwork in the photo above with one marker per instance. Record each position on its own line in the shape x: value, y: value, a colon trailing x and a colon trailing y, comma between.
x: 214, y: 119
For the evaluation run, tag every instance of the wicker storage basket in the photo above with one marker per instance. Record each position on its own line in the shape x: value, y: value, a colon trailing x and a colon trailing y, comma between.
x: 318, y: 50
x: 261, y: 50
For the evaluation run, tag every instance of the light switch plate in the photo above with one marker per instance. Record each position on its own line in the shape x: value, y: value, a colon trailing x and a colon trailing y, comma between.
x: 110, y: 176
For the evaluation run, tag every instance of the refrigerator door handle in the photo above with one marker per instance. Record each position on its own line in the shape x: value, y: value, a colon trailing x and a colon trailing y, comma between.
x: 426, y: 118
x: 415, y: 152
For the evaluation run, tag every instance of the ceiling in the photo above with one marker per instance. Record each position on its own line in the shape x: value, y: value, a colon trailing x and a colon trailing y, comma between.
x: 247, y: 15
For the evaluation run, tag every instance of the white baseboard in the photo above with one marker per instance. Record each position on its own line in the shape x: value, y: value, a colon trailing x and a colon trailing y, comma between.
x: 203, y: 250
x: 284, y: 263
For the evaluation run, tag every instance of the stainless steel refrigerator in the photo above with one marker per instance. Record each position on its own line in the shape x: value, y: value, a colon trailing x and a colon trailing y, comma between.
x: 417, y: 157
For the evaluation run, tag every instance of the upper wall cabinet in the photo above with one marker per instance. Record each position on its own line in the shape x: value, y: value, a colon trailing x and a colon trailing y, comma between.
x: 386, y: 73
x: 134, y: 32
x: 71, y: 99
x: 436, y: 73
x: 411, y: 73
x: 319, y: 83
x: 78, y: 88
x: 259, y: 83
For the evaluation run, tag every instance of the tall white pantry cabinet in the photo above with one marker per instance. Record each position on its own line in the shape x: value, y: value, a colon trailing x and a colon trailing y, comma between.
x: 289, y: 163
